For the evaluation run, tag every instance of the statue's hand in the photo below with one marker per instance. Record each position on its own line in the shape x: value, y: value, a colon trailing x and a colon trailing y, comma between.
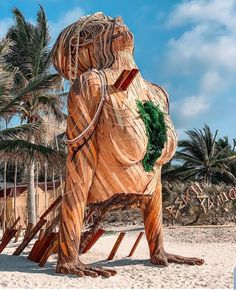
x: 163, y: 258
x: 81, y: 270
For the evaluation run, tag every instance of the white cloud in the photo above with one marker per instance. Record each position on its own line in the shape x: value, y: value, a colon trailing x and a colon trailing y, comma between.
x: 190, y: 107
x: 4, y: 26
x: 209, y: 43
x: 64, y: 20
x: 204, y: 11
x: 202, y: 52
x: 210, y: 82
x: 204, y: 48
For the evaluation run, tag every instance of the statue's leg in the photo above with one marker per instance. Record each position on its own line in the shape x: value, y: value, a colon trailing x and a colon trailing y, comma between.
x: 79, y: 176
x: 152, y: 216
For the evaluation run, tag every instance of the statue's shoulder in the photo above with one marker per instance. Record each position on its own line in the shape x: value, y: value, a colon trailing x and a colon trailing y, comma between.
x: 162, y: 93
x: 88, y: 82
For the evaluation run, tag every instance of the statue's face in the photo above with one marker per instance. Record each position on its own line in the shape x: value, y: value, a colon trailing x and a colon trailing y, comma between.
x: 122, y: 38
x: 92, y: 43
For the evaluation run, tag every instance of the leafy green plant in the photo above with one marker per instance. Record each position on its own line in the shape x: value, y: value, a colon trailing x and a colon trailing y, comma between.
x: 153, y: 119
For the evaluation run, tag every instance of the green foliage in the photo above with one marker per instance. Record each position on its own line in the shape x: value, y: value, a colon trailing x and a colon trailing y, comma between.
x: 36, y: 87
x: 153, y: 119
x: 30, y: 89
x: 205, y: 158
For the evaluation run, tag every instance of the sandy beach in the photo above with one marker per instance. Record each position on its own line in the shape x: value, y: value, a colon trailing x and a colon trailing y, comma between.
x: 216, y: 245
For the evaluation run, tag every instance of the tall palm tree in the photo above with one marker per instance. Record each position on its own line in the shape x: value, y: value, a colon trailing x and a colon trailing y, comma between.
x: 202, y: 157
x: 34, y: 93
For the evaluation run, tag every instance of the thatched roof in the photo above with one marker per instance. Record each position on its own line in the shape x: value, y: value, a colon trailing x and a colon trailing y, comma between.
x: 10, y: 191
x: 21, y: 188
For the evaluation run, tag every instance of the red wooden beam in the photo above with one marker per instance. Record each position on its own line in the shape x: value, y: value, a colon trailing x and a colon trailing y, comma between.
x: 93, y: 240
x: 40, y: 247
x: 50, y: 249
x: 31, y: 235
x: 9, y: 235
x: 125, y: 79
x: 136, y: 244
x: 116, y: 246
x: 51, y: 207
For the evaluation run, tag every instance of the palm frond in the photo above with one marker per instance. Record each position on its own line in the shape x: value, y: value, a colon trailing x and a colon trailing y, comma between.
x: 25, y: 131
x: 24, y: 152
x: 38, y: 83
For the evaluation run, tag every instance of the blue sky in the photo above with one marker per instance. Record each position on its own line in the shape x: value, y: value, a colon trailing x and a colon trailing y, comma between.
x: 188, y: 47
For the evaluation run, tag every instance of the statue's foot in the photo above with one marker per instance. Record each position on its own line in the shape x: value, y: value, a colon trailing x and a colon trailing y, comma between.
x: 163, y: 258
x: 84, y: 270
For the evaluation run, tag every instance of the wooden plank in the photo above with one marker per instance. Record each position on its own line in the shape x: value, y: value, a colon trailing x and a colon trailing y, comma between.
x: 33, y: 251
x: 31, y: 235
x: 116, y: 246
x: 52, y: 248
x: 41, y: 247
x: 10, y: 234
x: 6, y: 232
x: 28, y: 229
x: 41, y: 234
x: 51, y: 207
x: 125, y: 79
x: 93, y: 240
x: 8, y: 229
x: 136, y: 244
x: 15, y: 223
x: 121, y: 78
x: 129, y: 79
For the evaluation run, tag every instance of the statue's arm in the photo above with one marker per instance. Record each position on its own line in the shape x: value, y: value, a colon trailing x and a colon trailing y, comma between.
x: 83, y: 101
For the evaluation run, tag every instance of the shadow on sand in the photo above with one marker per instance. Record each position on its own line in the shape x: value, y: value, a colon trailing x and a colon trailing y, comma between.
x: 22, y: 264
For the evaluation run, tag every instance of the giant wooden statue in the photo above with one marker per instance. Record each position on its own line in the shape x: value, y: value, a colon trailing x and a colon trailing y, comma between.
x: 119, y: 134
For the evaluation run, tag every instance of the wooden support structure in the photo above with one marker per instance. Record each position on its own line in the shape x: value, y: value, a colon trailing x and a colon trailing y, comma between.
x: 34, y: 250
x: 52, y: 207
x: 37, y: 227
x: 93, y: 240
x: 116, y: 246
x: 41, y: 234
x: 4, y: 234
x: 43, y: 242
x: 29, y: 238
x: 136, y: 244
x: 53, y: 247
x: 8, y: 235
x: 28, y: 230
x: 40, y: 247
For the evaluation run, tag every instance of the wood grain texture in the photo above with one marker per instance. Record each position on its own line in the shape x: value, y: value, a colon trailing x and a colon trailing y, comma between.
x: 106, y: 136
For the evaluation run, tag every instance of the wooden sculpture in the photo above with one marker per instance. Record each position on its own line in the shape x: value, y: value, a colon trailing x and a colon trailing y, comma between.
x: 119, y: 134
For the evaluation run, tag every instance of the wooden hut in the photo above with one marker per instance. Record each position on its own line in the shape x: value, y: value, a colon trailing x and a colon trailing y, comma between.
x: 42, y: 200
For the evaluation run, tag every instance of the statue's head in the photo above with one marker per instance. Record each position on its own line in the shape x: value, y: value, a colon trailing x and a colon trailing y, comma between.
x: 91, y: 42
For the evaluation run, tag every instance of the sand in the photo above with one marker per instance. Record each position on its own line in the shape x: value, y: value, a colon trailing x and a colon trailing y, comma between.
x: 216, y: 245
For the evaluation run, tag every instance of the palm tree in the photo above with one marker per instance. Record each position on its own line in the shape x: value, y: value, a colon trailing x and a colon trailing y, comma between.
x: 34, y: 93
x: 202, y: 157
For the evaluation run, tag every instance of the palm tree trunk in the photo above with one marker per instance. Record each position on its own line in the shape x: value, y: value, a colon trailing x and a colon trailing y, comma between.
x: 54, y: 189
x: 31, y: 208
x: 45, y: 186
x: 62, y: 191
x: 36, y: 191
x: 15, y: 180
x: 5, y: 197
